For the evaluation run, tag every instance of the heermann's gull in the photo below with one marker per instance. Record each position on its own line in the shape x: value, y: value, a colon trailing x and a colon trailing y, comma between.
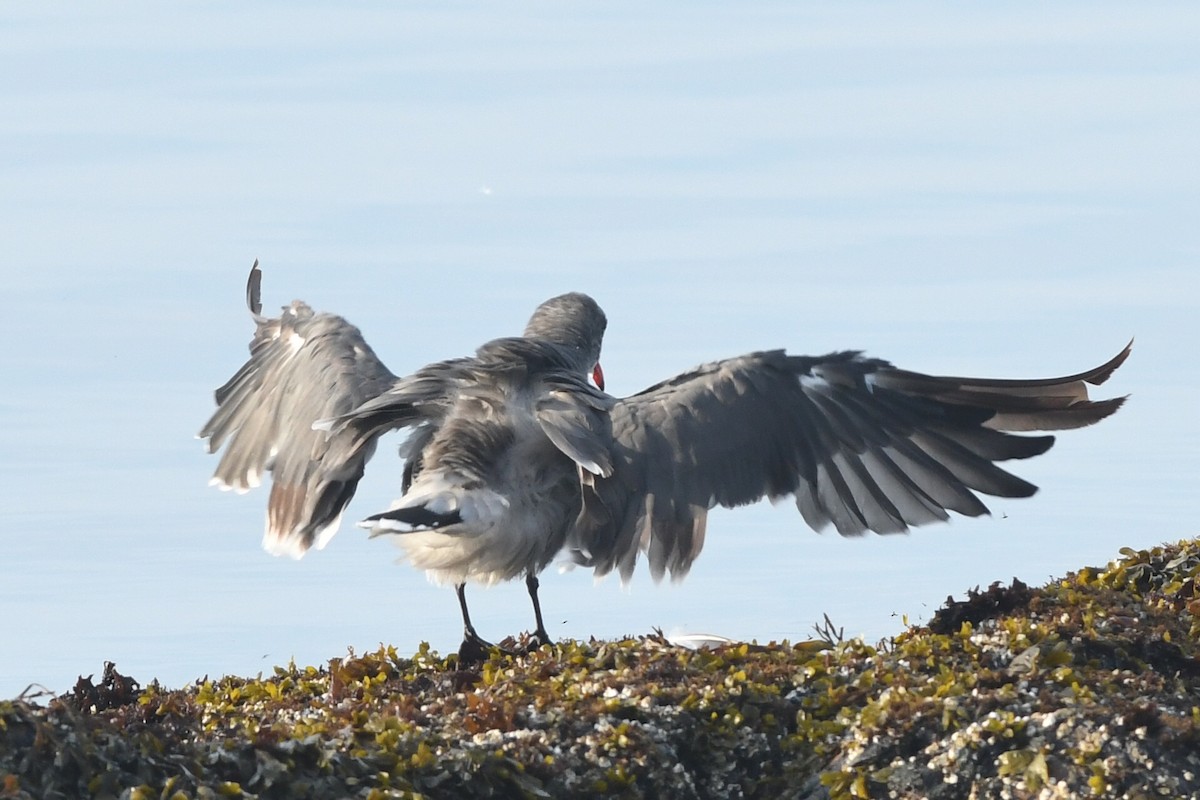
x: 513, y: 457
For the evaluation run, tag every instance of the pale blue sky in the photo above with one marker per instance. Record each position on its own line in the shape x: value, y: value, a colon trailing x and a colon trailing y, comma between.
x: 1007, y: 190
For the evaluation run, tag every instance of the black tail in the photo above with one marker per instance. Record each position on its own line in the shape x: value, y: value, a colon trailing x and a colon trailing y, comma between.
x: 419, y: 517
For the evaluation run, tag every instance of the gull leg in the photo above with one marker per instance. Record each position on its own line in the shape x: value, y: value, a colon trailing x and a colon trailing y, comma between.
x: 474, y: 649
x: 531, y: 583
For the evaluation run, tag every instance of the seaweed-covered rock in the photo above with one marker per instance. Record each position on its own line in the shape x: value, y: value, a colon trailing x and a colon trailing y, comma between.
x: 1087, y: 687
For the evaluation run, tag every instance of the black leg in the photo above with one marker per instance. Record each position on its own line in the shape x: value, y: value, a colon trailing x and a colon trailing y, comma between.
x: 473, y: 650
x: 531, y: 583
x: 468, y: 629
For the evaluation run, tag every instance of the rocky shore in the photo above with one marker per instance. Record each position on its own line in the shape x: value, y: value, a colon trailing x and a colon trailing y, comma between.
x: 1086, y: 687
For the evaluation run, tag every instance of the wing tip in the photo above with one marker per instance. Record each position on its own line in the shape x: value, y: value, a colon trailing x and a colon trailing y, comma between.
x: 278, y: 544
x: 1103, y: 372
x: 235, y: 486
x: 295, y: 543
x: 254, y: 291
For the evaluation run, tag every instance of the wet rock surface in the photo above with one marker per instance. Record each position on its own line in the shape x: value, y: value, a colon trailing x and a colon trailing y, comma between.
x: 1086, y: 687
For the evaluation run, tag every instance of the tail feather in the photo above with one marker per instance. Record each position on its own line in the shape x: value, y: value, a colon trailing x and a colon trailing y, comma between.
x: 407, y: 520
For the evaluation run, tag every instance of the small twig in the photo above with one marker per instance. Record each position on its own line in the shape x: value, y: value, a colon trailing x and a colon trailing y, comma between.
x: 34, y: 691
x: 828, y: 632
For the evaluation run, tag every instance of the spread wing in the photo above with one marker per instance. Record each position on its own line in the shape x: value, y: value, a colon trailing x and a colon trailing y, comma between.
x: 303, y: 367
x: 857, y: 442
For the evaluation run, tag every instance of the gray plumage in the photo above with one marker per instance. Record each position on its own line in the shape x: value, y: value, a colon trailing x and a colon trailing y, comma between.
x: 860, y: 444
x: 303, y: 367
x: 514, y: 458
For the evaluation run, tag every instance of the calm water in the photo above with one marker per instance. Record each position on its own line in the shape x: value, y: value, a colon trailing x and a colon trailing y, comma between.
x: 960, y: 191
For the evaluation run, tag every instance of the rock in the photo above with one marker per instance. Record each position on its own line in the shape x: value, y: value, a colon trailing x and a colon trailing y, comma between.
x: 1086, y: 687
